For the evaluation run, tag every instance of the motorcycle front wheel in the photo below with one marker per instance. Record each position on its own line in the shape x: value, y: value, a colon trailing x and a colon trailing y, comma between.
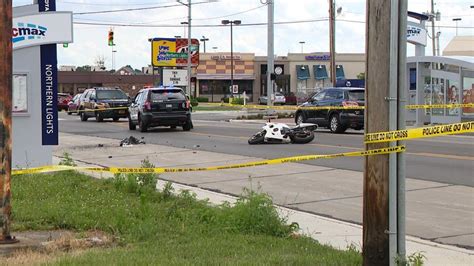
x: 258, y: 138
x: 302, y: 137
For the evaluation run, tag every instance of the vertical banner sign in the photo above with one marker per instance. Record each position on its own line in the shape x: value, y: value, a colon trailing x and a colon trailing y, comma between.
x: 49, y: 85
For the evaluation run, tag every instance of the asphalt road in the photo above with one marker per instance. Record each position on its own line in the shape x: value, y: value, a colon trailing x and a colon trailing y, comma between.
x: 446, y: 159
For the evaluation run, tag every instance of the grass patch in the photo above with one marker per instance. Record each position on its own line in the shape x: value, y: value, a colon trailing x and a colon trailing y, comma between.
x: 159, y: 227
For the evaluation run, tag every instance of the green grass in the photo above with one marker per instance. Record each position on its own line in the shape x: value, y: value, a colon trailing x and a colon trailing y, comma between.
x: 162, y: 228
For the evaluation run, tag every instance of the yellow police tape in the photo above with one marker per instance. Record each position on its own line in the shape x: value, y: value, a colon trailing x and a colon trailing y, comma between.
x: 99, y: 109
x: 435, y: 106
x: 422, y: 132
x: 412, y: 106
x: 352, y: 107
x: 117, y: 170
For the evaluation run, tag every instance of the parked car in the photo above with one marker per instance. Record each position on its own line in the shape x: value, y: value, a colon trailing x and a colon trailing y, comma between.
x: 63, y: 100
x: 279, y: 99
x: 338, y: 121
x: 73, y: 104
x: 98, y: 98
x: 160, y: 107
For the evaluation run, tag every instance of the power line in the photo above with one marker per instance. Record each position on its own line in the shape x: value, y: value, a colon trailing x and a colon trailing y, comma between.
x: 115, y: 4
x: 196, y: 26
x: 133, y: 9
x: 230, y: 15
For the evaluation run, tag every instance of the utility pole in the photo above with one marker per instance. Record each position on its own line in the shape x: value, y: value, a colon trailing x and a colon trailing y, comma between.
x: 6, y: 123
x: 189, y: 48
x: 332, y: 42
x: 384, y: 187
x: 270, y: 52
x: 433, y: 17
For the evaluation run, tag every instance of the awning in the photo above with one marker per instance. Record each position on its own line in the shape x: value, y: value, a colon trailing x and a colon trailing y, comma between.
x: 340, y: 72
x: 320, y: 72
x: 225, y: 76
x: 302, y: 72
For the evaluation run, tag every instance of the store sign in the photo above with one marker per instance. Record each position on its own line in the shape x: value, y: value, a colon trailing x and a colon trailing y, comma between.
x: 226, y: 57
x: 177, y: 77
x: 324, y: 57
x: 43, y: 28
x: 416, y: 34
x: 174, y: 52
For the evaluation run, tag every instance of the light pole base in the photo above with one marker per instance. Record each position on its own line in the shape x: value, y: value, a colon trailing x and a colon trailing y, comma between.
x: 8, y: 240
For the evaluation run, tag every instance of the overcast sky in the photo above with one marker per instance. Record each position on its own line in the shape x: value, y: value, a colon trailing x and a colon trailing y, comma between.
x: 90, y: 41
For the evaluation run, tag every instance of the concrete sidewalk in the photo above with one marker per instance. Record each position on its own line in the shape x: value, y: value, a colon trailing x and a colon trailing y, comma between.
x: 432, y: 211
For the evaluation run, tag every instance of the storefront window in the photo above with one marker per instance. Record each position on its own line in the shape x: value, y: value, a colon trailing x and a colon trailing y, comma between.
x: 20, y: 94
x: 438, y: 94
x: 428, y: 91
x: 452, y: 97
x: 468, y: 96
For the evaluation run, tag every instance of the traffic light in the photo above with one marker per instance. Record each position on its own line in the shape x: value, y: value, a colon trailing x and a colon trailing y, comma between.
x: 111, y: 38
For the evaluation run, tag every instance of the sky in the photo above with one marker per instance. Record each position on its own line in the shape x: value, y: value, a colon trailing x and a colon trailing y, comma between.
x: 133, y: 48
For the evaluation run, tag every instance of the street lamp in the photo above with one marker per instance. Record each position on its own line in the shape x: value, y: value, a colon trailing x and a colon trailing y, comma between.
x: 214, y: 48
x: 457, y: 20
x: 177, y: 37
x: 231, y: 22
x: 204, y: 40
x: 302, y: 43
x: 184, y: 23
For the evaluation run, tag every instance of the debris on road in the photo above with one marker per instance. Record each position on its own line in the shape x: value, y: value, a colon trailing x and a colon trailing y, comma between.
x: 130, y: 141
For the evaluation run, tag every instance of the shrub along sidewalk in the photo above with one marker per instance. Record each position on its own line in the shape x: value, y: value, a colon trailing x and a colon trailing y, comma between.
x: 158, y: 227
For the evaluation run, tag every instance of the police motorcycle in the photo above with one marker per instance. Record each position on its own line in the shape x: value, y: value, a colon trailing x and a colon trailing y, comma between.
x: 276, y: 133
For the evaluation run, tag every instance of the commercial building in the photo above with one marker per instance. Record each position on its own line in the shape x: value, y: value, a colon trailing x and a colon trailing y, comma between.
x: 296, y: 74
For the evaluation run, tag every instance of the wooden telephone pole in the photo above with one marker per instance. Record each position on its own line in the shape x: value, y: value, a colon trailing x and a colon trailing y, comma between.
x: 383, y: 211
x: 6, y: 121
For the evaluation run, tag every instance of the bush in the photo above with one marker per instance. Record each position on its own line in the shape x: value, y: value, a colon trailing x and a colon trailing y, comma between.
x: 202, y: 99
x: 225, y: 100
x: 194, y: 102
x: 239, y: 101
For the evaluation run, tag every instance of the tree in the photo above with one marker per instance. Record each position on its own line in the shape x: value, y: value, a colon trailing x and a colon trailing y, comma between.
x: 85, y: 68
x: 361, y: 75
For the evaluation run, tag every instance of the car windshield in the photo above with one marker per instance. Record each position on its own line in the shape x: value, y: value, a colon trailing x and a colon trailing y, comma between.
x: 111, y: 94
x: 356, y: 95
x: 278, y: 94
x: 165, y: 95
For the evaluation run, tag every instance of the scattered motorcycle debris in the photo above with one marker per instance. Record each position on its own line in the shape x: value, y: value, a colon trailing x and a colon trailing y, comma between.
x: 130, y: 141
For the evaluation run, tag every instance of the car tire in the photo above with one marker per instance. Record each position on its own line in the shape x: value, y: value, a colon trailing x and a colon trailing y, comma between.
x: 173, y: 127
x: 188, y: 125
x: 131, y: 125
x: 259, y: 102
x: 83, y: 115
x: 335, y: 124
x: 300, y: 118
x: 99, y: 117
x: 69, y: 112
x: 143, y: 127
x: 116, y: 119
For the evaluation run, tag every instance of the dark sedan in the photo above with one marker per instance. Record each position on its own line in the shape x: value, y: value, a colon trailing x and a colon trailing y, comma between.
x: 160, y: 107
x: 337, y: 120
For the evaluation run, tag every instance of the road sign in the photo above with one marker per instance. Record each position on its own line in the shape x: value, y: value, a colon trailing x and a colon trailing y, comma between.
x: 235, y: 89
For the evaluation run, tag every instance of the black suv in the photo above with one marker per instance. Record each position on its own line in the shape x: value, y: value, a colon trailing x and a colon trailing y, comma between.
x: 92, y: 100
x: 160, y: 107
x: 336, y: 120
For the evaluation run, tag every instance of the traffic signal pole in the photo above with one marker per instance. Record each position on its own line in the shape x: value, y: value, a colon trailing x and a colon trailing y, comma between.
x: 6, y: 123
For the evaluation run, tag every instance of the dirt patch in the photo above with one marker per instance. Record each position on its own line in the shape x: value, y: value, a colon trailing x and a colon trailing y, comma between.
x: 69, y: 243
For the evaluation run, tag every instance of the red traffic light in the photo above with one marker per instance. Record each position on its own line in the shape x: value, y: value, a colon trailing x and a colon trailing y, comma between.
x: 111, y: 38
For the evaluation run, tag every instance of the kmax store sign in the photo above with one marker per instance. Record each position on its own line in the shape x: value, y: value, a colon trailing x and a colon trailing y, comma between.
x: 416, y: 34
x: 28, y: 31
x: 44, y: 28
